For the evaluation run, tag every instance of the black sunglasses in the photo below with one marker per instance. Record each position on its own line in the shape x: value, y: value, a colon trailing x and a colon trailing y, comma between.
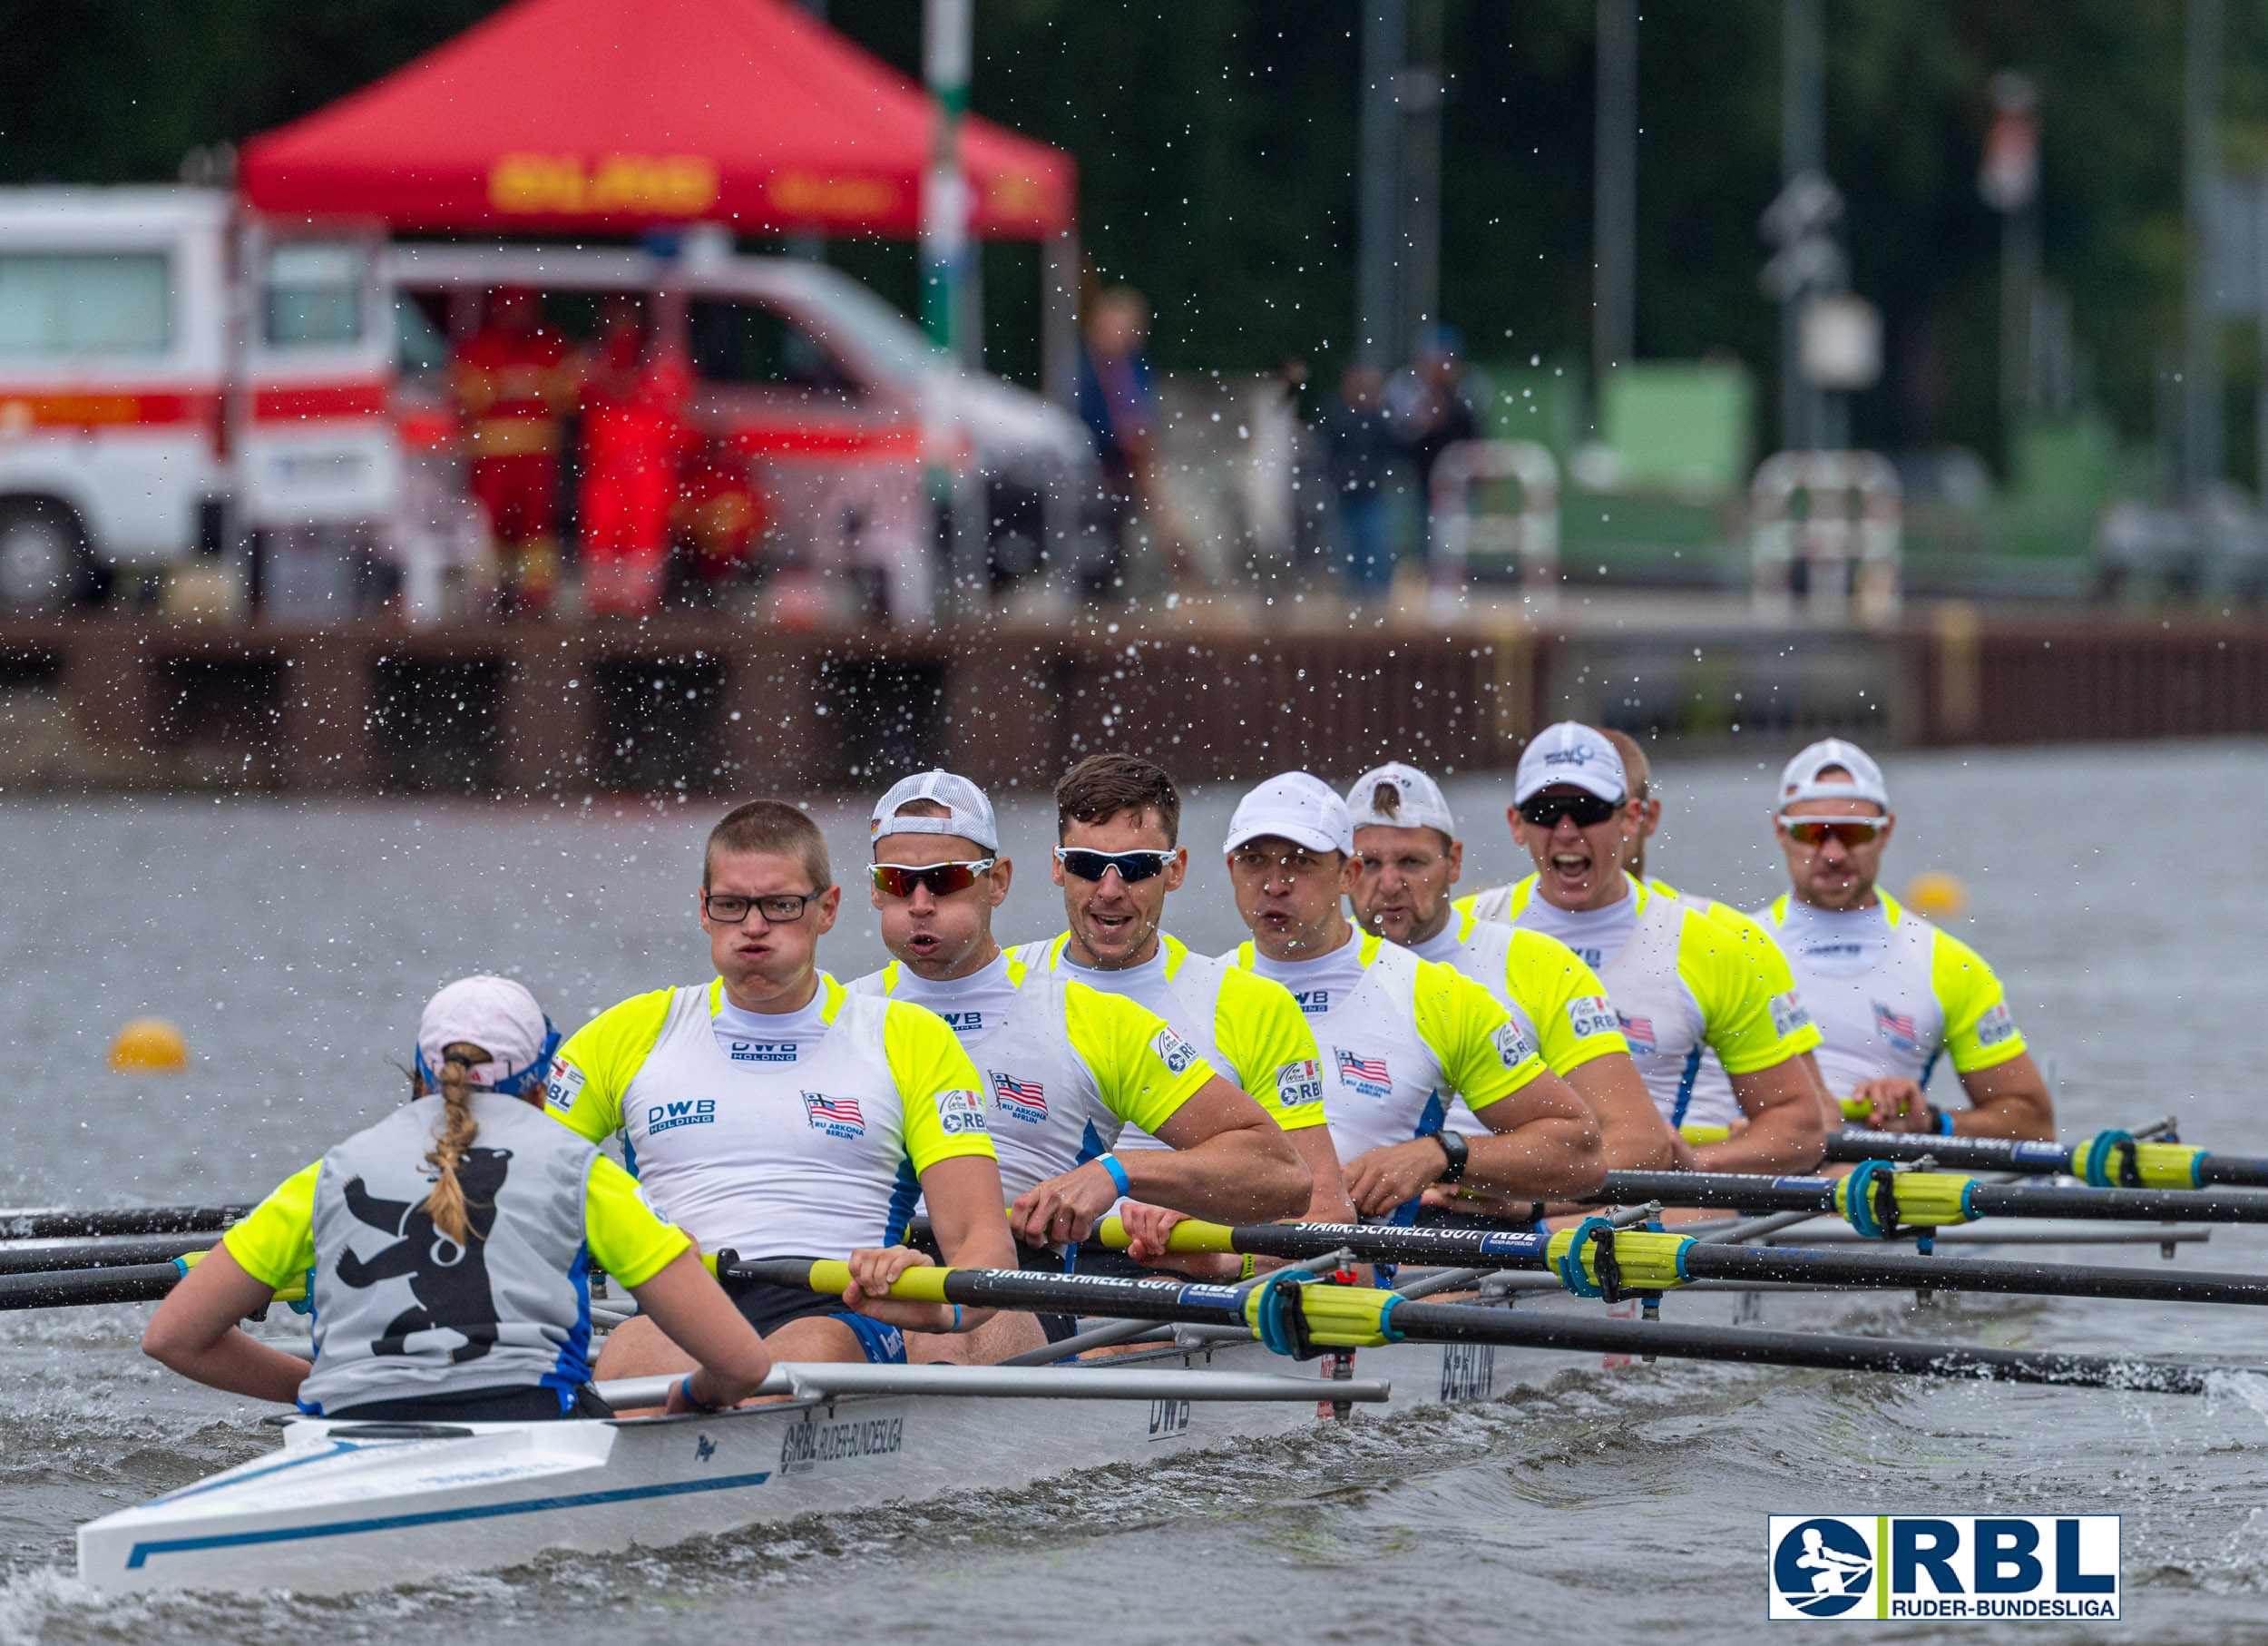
x: 1132, y: 865
x: 1544, y: 811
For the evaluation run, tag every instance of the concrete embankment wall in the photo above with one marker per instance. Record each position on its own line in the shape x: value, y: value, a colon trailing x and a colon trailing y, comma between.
x: 710, y: 706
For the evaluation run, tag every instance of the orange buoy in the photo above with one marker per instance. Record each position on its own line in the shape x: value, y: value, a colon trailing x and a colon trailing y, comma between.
x: 148, y: 1045
x: 1935, y: 895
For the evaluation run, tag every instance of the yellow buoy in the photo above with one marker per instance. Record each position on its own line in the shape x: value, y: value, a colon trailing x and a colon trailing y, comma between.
x: 148, y: 1045
x: 1935, y: 895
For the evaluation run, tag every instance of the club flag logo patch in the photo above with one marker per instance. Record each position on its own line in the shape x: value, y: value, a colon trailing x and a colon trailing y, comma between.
x: 1639, y: 1033
x: 961, y: 1112
x: 1897, y: 1028
x: 1299, y: 1082
x: 1513, y: 1047
x: 1589, y: 1014
x: 1788, y: 1014
x: 836, y: 1116
x: 1366, y: 1075
x: 563, y: 1086
x: 1996, y: 1025
x: 1174, y: 1052
x: 1023, y: 1100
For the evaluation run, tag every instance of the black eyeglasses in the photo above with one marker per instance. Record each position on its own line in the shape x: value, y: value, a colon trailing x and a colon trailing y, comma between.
x: 1132, y: 865
x: 778, y: 908
x: 899, y: 879
x: 1544, y: 811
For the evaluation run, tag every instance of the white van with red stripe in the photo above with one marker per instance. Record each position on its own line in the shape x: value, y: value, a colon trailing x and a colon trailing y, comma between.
x: 176, y: 377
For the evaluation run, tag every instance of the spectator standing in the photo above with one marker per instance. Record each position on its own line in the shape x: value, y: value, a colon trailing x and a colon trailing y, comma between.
x: 1358, y: 452
x: 513, y: 378
x: 633, y: 434
x: 1119, y: 407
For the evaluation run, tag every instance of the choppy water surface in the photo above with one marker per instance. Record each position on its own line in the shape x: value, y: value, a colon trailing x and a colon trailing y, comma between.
x: 2117, y: 891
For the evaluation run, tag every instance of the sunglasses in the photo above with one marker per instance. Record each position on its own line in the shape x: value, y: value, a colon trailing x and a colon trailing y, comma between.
x: 1544, y: 811
x: 1132, y: 865
x: 1851, y: 832
x: 899, y: 879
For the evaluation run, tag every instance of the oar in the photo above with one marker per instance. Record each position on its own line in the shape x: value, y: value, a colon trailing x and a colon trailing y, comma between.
x: 1596, y: 1259
x: 1301, y: 1319
x: 2108, y: 1159
x: 41, y: 1260
x: 118, y: 1220
x: 129, y: 1283
x: 1880, y: 1200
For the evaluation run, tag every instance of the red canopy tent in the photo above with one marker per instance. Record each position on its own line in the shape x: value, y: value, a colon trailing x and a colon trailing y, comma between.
x: 627, y: 114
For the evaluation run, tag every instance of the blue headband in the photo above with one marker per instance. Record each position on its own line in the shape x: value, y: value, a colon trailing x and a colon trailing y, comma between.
x: 512, y: 1085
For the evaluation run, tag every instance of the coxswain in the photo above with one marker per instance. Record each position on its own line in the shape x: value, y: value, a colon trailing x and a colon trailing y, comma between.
x: 1066, y: 1068
x: 1402, y: 1038
x: 1117, y: 855
x: 772, y: 1112
x: 448, y: 1249
x: 1679, y: 981
x: 1408, y: 857
x: 514, y: 381
x: 1891, y: 992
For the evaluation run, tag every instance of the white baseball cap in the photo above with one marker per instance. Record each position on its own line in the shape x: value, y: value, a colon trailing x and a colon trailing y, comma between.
x: 1297, y: 807
x: 499, y: 1016
x: 971, y: 817
x: 1417, y: 803
x: 1800, y: 778
x: 1570, y: 752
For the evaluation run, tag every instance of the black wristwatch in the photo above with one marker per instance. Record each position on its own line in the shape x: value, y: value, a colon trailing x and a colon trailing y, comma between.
x: 1456, y: 1150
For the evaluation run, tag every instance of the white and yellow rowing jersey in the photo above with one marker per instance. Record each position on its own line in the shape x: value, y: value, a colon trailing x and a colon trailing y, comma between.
x: 1550, y: 993
x: 1250, y: 1030
x: 1680, y: 981
x: 1065, y: 1069
x: 1892, y: 993
x: 803, y: 1135
x: 1401, y: 1038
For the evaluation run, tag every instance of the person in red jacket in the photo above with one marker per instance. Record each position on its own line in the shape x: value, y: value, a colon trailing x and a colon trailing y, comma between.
x: 514, y: 379
x: 633, y: 435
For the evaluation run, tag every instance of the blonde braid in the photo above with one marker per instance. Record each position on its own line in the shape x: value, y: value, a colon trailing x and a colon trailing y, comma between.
x: 446, y: 1204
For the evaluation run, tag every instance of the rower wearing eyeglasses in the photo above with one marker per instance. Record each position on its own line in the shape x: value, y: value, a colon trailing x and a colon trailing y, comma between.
x: 1890, y: 993
x: 1065, y: 1069
x: 1117, y: 822
x: 1679, y: 981
x: 772, y: 1112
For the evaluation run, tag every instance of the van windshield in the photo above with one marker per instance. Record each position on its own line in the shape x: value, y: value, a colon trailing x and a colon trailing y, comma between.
x: 78, y: 304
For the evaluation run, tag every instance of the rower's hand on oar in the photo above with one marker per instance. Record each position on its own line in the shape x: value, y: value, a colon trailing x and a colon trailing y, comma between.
x: 873, y: 1272
x: 1063, y: 1209
x: 1148, y: 1229
x: 1898, y: 1104
x: 1379, y: 1180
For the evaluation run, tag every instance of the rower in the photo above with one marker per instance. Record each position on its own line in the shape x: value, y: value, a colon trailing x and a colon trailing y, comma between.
x: 1890, y: 990
x: 1679, y: 980
x: 1400, y: 1037
x: 1117, y: 822
x: 1065, y: 1068
x: 774, y: 1114
x: 447, y: 1252
x: 1409, y: 856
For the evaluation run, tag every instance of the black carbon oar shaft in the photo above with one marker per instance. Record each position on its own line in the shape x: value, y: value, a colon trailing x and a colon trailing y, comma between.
x: 124, y: 1253
x: 70, y: 1289
x: 1046, y: 1293
x: 2004, y: 1154
x: 1761, y: 1194
x: 119, y: 1221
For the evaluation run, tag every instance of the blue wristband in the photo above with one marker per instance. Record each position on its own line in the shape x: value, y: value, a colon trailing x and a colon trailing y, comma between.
x: 1109, y: 1164
x: 1944, y: 1123
x: 685, y: 1387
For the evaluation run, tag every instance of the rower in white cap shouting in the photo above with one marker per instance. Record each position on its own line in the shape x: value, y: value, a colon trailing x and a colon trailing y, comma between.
x: 1065, y: 1068
x: 1679, y: 981
x: 1407, y: 844
x: 1402, y: 1038
x: 1890, y: 992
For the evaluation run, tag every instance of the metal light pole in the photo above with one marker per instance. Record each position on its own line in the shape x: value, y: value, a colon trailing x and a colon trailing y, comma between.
x: 1615, y: 193
x: 952, y: 475
x: 1420, y: 94
x: 1802, y: 149
x: 1378, y: 311
x: 2201, y: 155
x: 2009, y: 180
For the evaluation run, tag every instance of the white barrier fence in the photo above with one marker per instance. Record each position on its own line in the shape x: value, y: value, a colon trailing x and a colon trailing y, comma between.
x: 1848, y: 537
x: 1456, y: 532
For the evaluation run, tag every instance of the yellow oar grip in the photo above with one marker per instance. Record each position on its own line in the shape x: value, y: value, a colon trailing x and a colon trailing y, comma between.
x: 1704, y: 1134
x: 1191, y: 1234
x: 1856, y: 1108
x: 926, y: 1285
x: 297, y: 1292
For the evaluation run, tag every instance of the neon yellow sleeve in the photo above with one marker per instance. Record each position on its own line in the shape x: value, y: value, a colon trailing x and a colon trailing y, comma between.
x: 1263, y: 1036
x: 1144, y: 1071
x: 1481, y: 1050
x: 1750, y: 1015
x: 938, y: 1088
x: 626, y: 1240
x: 1564, y: 999
x: 1979, y: 1031
x: 276, y: 1243
x: 594, y: 1068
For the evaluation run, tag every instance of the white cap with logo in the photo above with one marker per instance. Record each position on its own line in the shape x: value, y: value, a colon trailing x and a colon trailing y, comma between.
x: 1411, y: 800
x: 1569, y: 752
x: 971, y: 817
x: 1800, y: 779
x: 499, y: 1016
x: 1296, y: 806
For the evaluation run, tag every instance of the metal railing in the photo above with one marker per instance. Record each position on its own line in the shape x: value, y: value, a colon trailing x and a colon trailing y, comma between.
x: 1848, y: 538
x: 1456, y: 534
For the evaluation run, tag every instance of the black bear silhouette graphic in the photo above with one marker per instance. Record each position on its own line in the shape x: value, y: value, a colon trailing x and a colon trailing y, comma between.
x: 449, y: 1281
